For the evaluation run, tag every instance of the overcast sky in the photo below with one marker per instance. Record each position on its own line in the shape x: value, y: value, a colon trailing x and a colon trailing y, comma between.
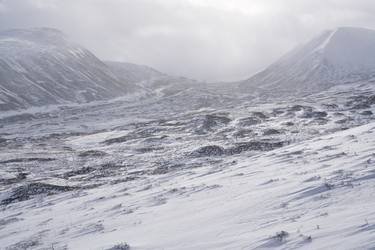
x: 209, y: 40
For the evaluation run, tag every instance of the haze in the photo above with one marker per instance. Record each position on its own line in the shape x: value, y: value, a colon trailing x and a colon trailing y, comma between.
x: 211, y: 40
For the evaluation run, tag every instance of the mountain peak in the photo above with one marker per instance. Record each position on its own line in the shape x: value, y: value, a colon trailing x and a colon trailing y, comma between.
x: 346, y: 54
x: 30, y: 31
x: 351, y: 47
x: 39, y: 35
x: 40, y: 67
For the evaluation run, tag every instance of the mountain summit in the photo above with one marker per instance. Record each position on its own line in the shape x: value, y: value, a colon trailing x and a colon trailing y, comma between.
x: 42, y: 66
x: 338, y: 56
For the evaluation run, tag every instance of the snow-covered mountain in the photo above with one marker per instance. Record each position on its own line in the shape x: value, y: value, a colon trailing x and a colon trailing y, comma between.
x: 134, y: 73
x: 191, y: 166
x: 41, y: 66
x: 344, y: 55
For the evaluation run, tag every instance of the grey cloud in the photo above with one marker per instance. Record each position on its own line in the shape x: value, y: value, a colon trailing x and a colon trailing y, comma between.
x: 203, y: 39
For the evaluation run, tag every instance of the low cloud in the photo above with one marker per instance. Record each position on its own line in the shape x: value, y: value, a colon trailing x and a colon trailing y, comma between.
x: 211, y: 40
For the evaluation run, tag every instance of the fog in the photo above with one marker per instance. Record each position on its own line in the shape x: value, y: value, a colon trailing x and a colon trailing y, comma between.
x: 211, y: 40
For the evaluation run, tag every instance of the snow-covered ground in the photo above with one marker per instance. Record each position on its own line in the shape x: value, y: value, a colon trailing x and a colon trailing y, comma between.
x: 216, y: 174
x: 180, y: 164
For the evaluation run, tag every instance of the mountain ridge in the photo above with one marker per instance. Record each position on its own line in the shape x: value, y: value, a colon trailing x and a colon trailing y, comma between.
x: 333, y: 57
x: 42, y: 66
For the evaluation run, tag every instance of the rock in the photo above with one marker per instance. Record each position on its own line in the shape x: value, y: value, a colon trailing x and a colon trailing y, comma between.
x: 314, y: 114
x: 330, y: 106
x: 289, y: 124
x: 319, y: 121
x: 254, y: 146
x: 25, y: 192
x: 242, y: 133
x: 209, y: 122
x: 345, y: 120
x: 212, y: 150
x: 20, y: 177
x: 122, y: 246
x: 367, y: 112
x: 278, y: 111
x: 92, y: 153
x: 166, y: 168
x: 259, y: 115
x: 249, y: 121
x: 297, y: 108
x: 117, y: 140
x: 82, y: 171
x: 271, y: 131
x: 361, y: 102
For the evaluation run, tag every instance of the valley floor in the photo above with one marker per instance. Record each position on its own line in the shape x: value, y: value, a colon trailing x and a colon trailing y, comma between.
x: 305, y: 180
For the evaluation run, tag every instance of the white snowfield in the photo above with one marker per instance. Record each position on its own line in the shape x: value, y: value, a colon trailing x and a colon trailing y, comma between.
x: 316, y: 194
x: 184, y: 165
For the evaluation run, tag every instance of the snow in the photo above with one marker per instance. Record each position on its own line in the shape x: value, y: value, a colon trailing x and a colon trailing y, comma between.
x: 344, y: 55
x: 47, y: 65
x: 312, y: 194
x: 325, y: 43
x: 108, y: 172
x: 323, y: 193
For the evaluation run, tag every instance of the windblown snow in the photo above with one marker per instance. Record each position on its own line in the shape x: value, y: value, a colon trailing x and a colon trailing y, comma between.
x: 180, y: 164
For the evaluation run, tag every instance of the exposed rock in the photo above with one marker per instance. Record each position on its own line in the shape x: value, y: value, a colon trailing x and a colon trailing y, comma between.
x: 25, y: 192
x: 296, y: 108
x: 166, y: 168
x: 209, y: 122
x: 82, y: 171
x: 122, y: 246
x: 254, y: 146
x: 212, y: 150
x: 271, y: 131
x: 361, y: 102
x: 289, y: 124
x: 249, y: 121
x: 367, y: 112
x: 319, y: 121
x: 330, y: 106
x: 92, y: 153
x: 259, y: 115
x: 243, y: 133
x: 18, y: 178
x: 314, y: 114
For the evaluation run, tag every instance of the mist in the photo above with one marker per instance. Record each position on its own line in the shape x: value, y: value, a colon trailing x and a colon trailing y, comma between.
x: 206, y: 39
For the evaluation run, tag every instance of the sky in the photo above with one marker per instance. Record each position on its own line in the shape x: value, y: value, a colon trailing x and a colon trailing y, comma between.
x: 209, y: 40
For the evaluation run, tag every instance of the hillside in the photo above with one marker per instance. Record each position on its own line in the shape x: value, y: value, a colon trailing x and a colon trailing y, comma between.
x: 340, y: 56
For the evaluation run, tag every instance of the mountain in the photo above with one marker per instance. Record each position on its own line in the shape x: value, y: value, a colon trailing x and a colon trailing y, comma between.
x: 42, y: 66
x: 344, y: 55
x: 129, y: 72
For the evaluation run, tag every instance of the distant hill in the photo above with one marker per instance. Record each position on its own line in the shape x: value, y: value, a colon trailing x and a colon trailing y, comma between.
x: 335, y: 57
x: 42, y: 67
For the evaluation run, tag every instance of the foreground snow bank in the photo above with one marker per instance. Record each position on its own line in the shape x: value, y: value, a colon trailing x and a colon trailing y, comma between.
x: 312, y: 195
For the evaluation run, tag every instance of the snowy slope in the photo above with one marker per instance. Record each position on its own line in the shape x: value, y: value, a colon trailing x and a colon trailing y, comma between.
x: 335, y: 57
x: 128, y: 72
x: 312, y: 195
x: 160, y: 175
x: 191, y: 166
x: 41, y: 66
